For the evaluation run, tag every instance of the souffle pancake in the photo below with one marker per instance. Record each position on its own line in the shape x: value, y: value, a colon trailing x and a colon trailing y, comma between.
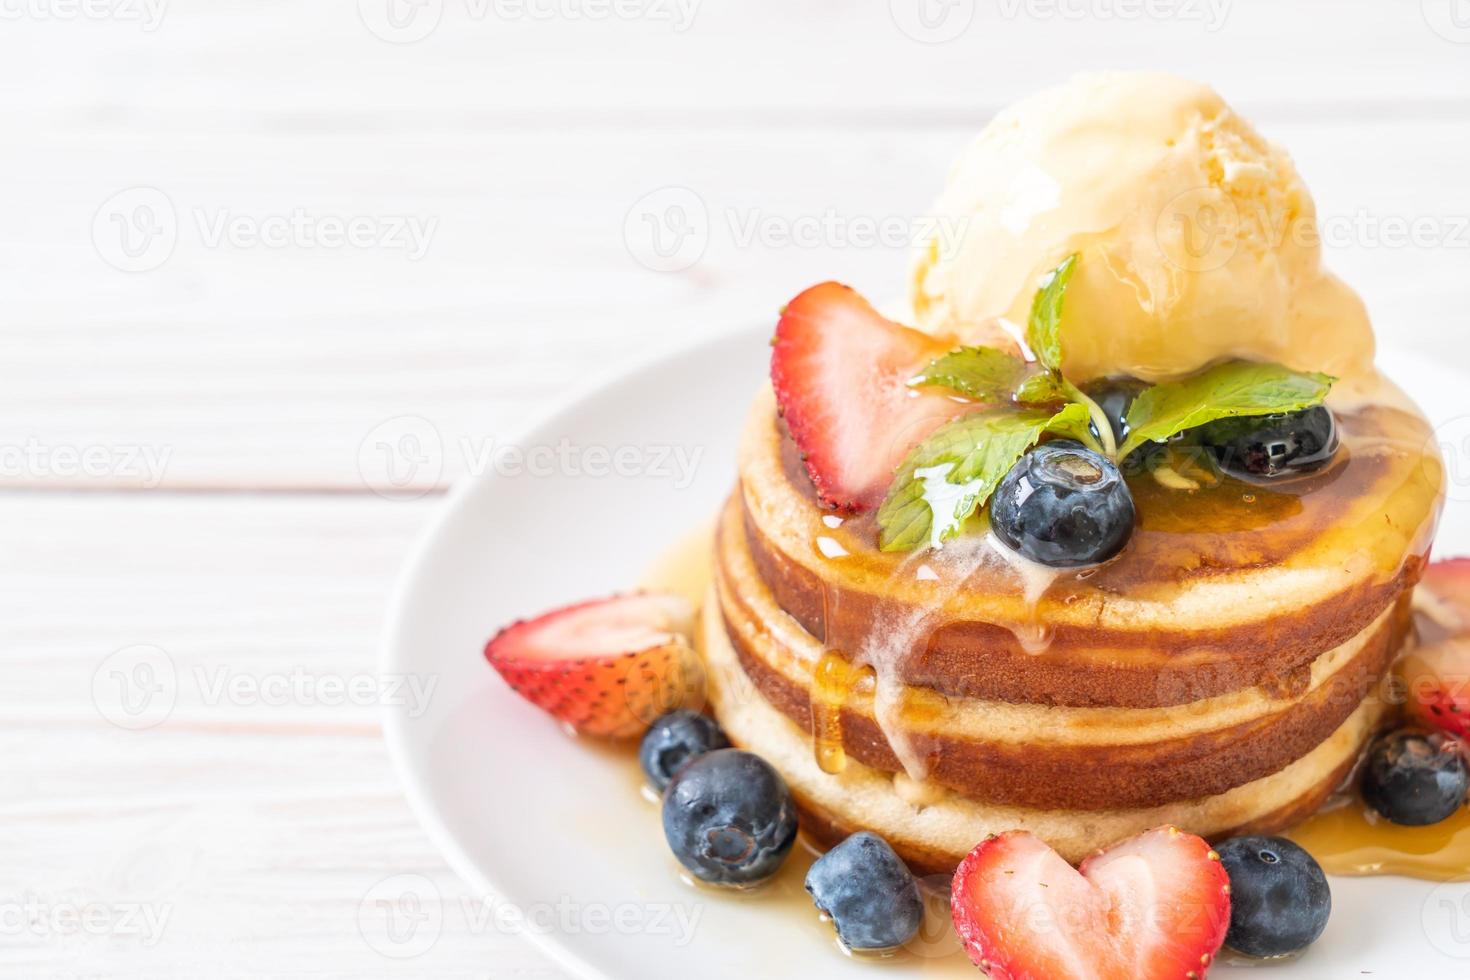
x: 1219, y: 668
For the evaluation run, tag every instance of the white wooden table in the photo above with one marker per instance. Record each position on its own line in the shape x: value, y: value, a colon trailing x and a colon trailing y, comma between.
x: 246, y: 244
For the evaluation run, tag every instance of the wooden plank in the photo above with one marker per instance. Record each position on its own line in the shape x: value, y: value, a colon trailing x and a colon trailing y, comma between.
x: 271, y: 367
x: 251, y: 829
x: 221, y: 66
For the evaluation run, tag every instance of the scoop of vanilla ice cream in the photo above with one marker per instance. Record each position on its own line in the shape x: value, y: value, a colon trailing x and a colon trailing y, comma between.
x: 1197, y: 237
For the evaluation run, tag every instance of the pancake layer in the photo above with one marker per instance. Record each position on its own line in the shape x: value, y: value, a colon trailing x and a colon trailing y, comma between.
x: 934, y: 831
x: 1220, y: 589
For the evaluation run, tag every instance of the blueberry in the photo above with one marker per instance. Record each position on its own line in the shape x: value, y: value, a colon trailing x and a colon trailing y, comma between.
x: 1063, y: 505
x: 1415, y: 778
x: 729, y: 818
x: 1266, y: 446
x: 1115, y: 396
x: 673, y: 740
x: 868, y: 893
x: 1279, y: 898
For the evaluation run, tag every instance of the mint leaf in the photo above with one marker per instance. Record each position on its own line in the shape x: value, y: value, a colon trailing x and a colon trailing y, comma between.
x: 983, y: 373
x: 1044, y: 329
x: 953, y: 472
x: 1230, y: 390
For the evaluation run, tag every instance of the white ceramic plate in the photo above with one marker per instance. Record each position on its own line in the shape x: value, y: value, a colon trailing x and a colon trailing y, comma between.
x: 558, y: 829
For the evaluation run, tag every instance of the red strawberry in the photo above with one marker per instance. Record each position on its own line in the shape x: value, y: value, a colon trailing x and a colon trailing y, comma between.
x: 607, y: 667
x: 1436, y: 685
x: 841, y: 375
x: 1443, y: 596
x: 1155, y: 907
x: 1435, y: 678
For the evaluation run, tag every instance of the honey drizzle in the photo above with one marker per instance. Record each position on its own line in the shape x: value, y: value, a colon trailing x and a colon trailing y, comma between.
x: 831, y: 685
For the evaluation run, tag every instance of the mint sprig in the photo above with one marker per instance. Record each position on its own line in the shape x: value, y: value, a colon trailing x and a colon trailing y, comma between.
x: 944, y: 481
x: 950, y: 476
x: 1229, y: 390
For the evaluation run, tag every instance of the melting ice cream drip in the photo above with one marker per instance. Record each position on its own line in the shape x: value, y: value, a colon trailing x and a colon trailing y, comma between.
x: 1035, y: 579
x: 890, y: 640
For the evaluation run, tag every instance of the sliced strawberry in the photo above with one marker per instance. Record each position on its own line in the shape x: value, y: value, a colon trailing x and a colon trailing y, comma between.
x: 1155, y: 907
x: 608, y: 667
x: 1443, y: 596
x: 841, y: 375
x: 1436, y: 685
x: 1435, y: 678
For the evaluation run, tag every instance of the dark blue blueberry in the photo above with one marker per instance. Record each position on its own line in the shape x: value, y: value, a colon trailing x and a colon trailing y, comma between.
x: 868, y: 893
x: 1415, y: 778
x: 1063, y: 505
x: 1115, y: 396
x: 673, y: 740
x: 729, y: 818
x: 1267, y: 446
x: 1279, y: 898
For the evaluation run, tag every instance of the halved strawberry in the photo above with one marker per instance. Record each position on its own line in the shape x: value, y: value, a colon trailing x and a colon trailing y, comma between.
x: 1443, y: 596
x: 607, y: 667
x: 1155, y: 907
x: 1435, y: 681
x: 841, y: 375
x: 1434, y: 678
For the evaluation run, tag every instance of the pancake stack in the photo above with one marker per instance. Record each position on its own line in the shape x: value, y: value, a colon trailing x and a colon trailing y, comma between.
x: 1221, y: 675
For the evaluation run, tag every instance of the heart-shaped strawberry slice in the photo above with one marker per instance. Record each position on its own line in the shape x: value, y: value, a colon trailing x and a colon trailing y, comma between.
x: 1155, y: 907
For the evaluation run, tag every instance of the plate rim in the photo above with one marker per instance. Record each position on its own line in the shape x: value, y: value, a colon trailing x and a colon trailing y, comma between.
x: 394, y: 721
